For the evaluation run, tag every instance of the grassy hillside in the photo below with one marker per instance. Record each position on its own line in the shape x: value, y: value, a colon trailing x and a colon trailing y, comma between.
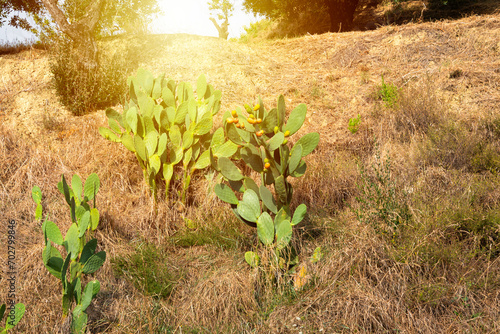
x: 425, y: 157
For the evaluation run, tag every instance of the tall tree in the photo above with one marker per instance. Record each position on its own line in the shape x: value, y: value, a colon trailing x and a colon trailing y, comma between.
x: 223, y: 9
x: 341, y: 12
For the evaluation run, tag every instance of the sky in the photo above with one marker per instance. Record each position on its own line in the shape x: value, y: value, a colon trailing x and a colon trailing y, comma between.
x: 179, y: 16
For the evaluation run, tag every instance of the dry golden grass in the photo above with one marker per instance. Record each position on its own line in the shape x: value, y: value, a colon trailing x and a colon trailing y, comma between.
x: 432, y: 278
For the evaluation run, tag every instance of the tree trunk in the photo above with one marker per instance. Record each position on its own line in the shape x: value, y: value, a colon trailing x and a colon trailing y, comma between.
x: 81, y: 32
x: 341, y: 14
x: 223, y: 33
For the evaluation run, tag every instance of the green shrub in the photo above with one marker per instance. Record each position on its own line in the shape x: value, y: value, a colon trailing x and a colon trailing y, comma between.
x: 84, y: 90
x: 380, y: 202
x: 388, y: 93
x: 354, y: 124
x: 256, y: 30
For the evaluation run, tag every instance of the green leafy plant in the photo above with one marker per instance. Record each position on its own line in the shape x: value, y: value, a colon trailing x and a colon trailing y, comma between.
x: 81, y: 257
x: 263, y: 137
x: 389, y: 93
x: 379, y: 201
x: 13, y: 317
x: 354, y: 124
x: 166, y: 125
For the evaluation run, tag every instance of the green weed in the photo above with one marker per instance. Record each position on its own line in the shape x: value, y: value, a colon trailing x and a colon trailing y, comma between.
x: 380, y: 203
x: 148, y: 270
x: 388, y: 93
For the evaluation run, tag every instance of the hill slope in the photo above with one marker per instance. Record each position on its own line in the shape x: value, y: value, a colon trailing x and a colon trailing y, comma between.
x: 440, y: 273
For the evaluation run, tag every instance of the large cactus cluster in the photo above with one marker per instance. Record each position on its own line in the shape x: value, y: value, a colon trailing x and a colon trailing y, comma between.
x: 81, y: 257
x: 263, y: 140
x: 166, y: 124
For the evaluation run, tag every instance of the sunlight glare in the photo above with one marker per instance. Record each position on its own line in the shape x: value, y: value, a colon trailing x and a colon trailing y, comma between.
x: 192, y: 17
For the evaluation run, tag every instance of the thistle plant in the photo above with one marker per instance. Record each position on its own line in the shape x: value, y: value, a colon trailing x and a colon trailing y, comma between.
x: 13, y: 317
x: 263, y: 138
x: 166, y: 125
x: 81, y: 257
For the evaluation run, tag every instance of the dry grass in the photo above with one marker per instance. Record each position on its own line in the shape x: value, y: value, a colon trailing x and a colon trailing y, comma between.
x: 441, y: 272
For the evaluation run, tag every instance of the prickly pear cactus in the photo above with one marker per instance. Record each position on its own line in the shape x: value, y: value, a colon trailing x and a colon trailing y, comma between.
x: 166, y: 125
x: 263, y: 140
x: 13, y: 316
x: 81, y: 257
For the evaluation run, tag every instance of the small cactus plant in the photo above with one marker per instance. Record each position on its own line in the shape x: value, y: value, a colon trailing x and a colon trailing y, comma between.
x: 81, y: 257
x: 166, y: 124
x: 13, y: 317
x: 262, y: 137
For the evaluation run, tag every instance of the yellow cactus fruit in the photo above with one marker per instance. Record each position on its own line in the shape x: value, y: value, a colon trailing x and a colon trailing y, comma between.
x: 276, y: 129
x: 257, y: 107
x: 230, y: 120
x: 285, y: 141
x: 264, y: 170
x: 234, y: 113
x: 287, y: 133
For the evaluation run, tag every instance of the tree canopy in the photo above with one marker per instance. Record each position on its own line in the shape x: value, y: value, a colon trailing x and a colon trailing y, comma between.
x: 115, y: 15
x: 340, y: 12
x: 8, y: 7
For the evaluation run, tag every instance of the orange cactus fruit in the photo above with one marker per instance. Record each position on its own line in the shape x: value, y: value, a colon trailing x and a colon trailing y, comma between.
x: 238, y: 125
x: 236, y: 120
x: 267, y: 165
x: 259, y: 133
x: 259, y: 120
